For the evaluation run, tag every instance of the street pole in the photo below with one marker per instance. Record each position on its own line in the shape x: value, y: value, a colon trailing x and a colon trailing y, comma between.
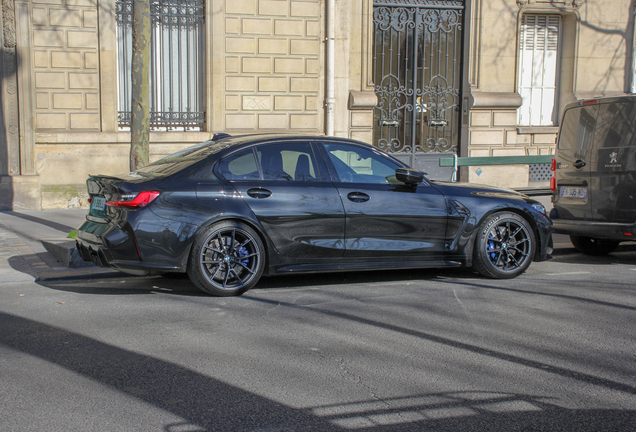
x: 140, y: 124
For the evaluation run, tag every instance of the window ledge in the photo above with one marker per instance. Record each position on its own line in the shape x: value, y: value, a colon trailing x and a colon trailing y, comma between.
x: 525, y: 130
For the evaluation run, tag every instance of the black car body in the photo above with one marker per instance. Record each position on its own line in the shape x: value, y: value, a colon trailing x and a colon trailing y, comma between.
x: 595, y: 174
x: 230, y: 210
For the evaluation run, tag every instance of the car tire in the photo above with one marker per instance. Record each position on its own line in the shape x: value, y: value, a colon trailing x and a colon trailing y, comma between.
x: 227, y: 259
x: 504, y: 246
x: 592, y: 246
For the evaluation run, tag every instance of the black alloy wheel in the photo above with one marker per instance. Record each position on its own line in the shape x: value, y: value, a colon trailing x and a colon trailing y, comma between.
x: 504, y: 247
x: 227, y: 259
x: 592, y: 246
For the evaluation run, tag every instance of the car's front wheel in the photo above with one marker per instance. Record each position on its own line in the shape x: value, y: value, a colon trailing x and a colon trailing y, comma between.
x: 504, y: 246
x: 592, y: 246
x: 227, y: 259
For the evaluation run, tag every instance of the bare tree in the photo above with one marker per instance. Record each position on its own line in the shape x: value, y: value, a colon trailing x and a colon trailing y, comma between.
x: 140, y: 125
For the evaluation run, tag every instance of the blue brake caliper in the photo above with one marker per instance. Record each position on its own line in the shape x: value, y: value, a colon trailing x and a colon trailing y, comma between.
x: 244, y: 252
x: 491, y: 246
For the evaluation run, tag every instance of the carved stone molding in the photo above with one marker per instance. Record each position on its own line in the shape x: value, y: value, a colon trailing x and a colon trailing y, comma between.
x: 8, y: 23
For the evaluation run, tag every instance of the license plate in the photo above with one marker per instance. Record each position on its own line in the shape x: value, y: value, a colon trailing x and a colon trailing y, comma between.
x: 573, y: 192
x: 98, y: 203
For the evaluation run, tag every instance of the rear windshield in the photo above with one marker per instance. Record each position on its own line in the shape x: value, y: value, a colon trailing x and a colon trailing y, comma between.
x: 599, y: 125
x: 577, y: 129
x: 186, y: 157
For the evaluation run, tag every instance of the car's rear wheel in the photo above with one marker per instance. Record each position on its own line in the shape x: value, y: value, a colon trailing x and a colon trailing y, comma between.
x: 592, y: 246
x: 227, y: 259
x: 504, y: 246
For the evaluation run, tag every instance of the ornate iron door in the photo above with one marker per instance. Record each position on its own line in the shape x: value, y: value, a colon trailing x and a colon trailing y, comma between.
x: 417, y: 76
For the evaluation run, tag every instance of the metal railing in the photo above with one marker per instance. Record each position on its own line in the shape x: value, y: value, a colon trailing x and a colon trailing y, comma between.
x: 176, y: 75
x: 457, y: 162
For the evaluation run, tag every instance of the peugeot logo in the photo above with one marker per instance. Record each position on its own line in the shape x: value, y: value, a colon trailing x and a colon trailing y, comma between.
x: 613, y: 157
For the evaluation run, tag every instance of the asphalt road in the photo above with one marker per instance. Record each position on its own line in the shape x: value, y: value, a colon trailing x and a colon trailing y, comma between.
x: 424, y: 350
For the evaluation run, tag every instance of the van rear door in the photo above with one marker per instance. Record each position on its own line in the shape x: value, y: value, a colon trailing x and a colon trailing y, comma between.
x: 572, y: 198
x: 613, y: 164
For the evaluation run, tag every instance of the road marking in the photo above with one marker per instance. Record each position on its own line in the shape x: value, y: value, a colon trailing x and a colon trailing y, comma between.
x: 568, y: 273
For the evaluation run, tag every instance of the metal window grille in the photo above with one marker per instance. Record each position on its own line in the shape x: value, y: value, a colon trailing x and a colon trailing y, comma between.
x: 176, y: 64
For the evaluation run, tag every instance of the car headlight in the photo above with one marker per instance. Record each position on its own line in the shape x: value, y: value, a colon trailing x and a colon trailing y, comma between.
x: 540, y: 208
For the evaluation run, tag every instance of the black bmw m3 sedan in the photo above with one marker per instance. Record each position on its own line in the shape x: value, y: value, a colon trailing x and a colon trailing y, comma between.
x: 230, y: 210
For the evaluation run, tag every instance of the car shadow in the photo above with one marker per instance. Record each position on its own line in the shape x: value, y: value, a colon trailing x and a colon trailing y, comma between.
x: 180, y: 284
x: 625, y: 253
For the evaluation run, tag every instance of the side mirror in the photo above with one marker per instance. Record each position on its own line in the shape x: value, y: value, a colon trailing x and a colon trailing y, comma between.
x: 409, y: 176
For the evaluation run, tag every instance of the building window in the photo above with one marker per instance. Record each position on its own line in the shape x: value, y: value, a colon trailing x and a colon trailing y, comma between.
x: 538, y: 66
x: 176, y: 64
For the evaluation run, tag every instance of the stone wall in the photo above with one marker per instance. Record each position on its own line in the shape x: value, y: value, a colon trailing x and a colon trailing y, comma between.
x: 265, y: 71
x: 65, y: 65
x: 271, y: 75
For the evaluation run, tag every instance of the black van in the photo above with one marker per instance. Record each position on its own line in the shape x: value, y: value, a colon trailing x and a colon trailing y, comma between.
x: 595, y: 174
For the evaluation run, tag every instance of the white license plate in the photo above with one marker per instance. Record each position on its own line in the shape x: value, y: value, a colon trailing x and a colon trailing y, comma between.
x: 573, y: 192
x: 98, y: 203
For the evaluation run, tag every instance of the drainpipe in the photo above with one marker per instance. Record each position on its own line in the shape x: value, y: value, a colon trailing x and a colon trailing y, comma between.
x: 330, y: 100
x: 633, y: 77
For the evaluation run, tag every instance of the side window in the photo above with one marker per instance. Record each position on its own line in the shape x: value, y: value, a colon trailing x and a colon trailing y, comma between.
x: 287, y: 162
x: 240, y: 166
x: 358, y: 165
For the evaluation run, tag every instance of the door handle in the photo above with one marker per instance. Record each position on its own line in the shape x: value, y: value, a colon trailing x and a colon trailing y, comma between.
x: 358, y: 197
x: 578, y: 164
x: 259, y: 193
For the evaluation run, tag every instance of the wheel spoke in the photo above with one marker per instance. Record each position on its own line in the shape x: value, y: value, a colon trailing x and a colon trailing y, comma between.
x: 227, y: 275
x: 233, y: 241
x: 237, y: 276
x: 516, y: 232
x: 212, y: 249
x: 218, y: 268
x: 245, y: 267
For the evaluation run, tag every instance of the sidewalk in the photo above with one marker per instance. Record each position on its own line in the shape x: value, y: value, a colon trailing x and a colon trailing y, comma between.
x: 22, y: 255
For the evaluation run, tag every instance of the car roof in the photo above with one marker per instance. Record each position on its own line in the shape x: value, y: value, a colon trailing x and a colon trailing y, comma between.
x: 602, y: 100
x: 232, y: 141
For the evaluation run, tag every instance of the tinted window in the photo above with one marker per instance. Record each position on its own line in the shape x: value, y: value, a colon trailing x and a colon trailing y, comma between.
x: 616, y: 123
x: 577, y: 130
x: 240, y: 166
x: 359, y: 165
x: 287, y: 162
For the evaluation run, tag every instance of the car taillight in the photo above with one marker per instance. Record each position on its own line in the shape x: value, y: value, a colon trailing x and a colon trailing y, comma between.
x: 553, y: 178
x: 142, y: 199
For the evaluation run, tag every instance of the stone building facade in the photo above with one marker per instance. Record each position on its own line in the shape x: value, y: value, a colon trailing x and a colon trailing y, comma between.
x: 263, y: 70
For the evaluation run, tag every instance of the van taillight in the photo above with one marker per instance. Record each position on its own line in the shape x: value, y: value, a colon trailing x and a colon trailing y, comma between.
x: 142, y: 199
x: 553, y: 166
